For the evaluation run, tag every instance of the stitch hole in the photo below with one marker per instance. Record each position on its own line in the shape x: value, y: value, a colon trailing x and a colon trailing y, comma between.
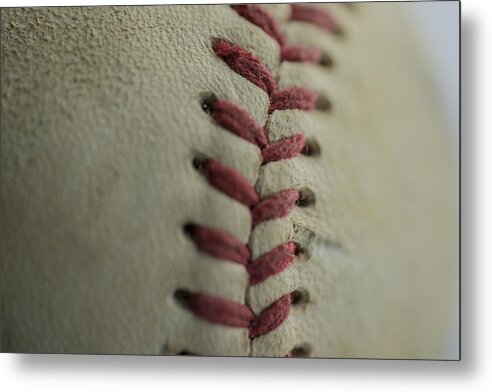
x: 182, y: 297
x: 311, y: 148
x: 301, y: 351
x: 339, y: 32
x: 301, y: 252
x: 168, y: 349
x: 298, y: 250
x: 306, y: 197
x: 198, y: 163
x: 326, y: 60
x: 189, y: 229
x: 323, y: 104
x: 299, y: 297
x: 206, y: 102
x: 186, y: 352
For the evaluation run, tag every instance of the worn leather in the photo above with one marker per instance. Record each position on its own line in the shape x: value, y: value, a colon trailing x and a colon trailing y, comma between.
x: 101, y: 120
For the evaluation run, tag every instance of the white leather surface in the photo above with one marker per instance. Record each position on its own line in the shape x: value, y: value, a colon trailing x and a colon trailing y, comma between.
x: 101, y: 119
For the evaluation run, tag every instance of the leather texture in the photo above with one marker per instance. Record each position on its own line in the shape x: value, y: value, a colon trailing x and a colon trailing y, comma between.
x: 101, y: 120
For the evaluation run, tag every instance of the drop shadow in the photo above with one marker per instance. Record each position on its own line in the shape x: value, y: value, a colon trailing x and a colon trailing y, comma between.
x: 390, y: 369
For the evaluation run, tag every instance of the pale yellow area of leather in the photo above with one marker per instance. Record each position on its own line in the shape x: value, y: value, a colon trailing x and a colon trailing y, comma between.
x: 101, y: 120
x: 382, y: 237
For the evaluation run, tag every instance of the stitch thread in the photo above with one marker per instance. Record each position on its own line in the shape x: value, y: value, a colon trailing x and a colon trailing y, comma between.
x: 284, y: 149
x: 271, y: 263
x: 314, y: 15
x: 219, y: 243
x: 296, y: 53
x: 275, y: 207
x: 245, y: 64
x: 219, y: 310
x: 293, y: 98
x: 224, y: 245
x: 271, y: 318
x: 262, y: 18
x: 231, y: 182
x: 239, y: 122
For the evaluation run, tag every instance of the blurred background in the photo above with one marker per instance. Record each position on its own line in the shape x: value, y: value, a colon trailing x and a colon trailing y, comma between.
x: 438, y: 23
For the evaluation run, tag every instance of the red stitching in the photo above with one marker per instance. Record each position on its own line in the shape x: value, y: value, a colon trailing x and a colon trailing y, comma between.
x: 229, y: 181
x: 271, y: 318
x: 250, y: 67
x: 271, y: 263
x: 277, y: 206
x: 314, y: 15
x: 220, y: 244
x: 262, y: 18
x: 219, y: 310
x: 296, y: 53
x: 293, y: 98
x: 239, y: 122
x: 245, y: 64
x: 284, y: 149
